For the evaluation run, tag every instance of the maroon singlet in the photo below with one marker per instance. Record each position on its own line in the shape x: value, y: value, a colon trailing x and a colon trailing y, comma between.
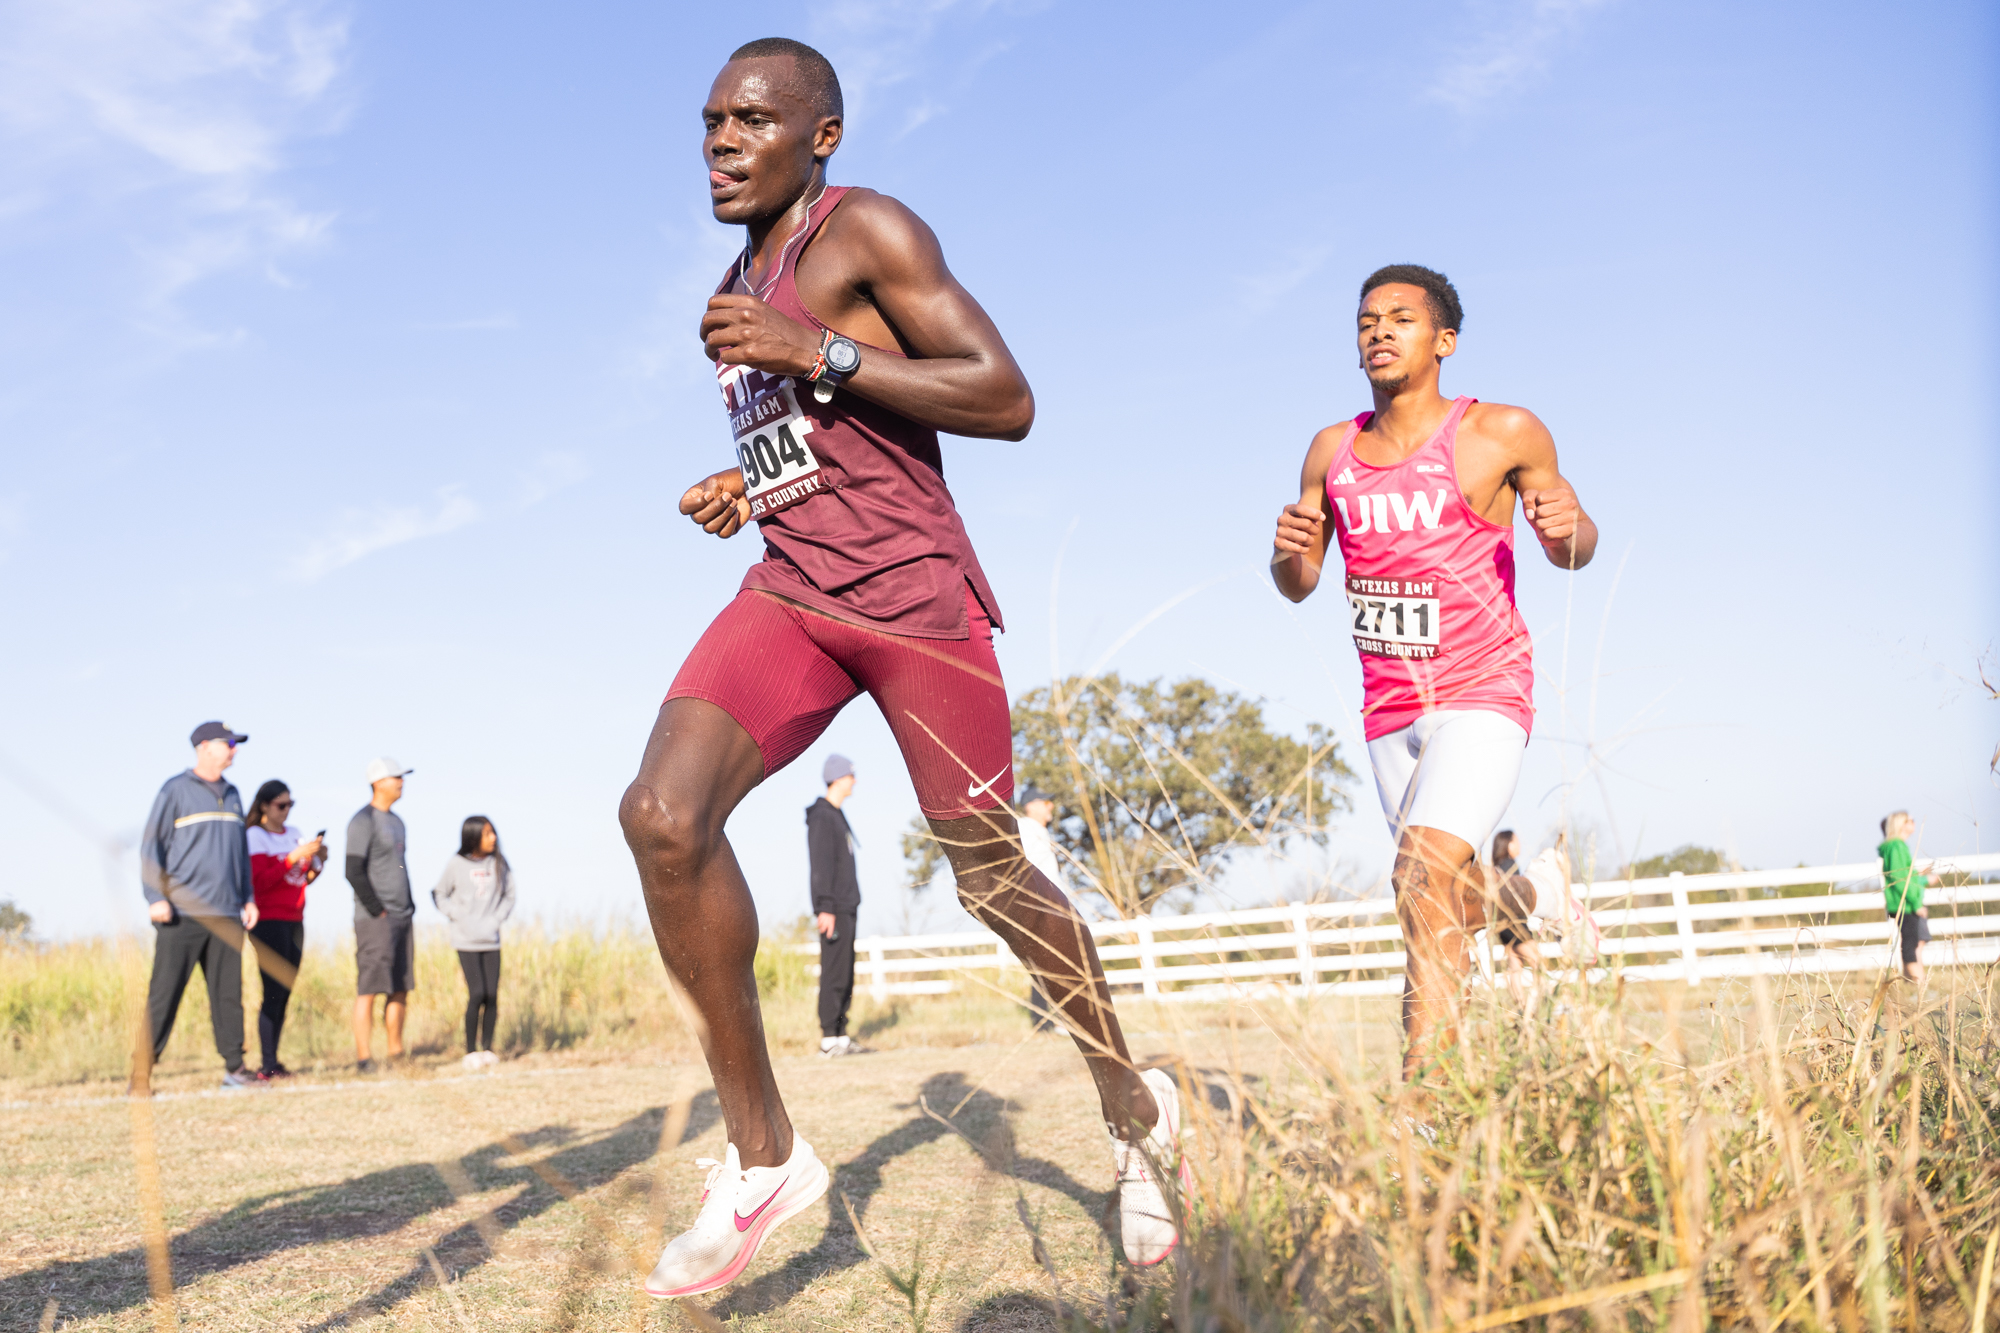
x: 872, y: 536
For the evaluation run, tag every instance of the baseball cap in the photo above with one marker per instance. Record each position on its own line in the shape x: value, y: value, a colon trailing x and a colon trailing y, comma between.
x: 215, y: 731
x: 385, y: 767
x: 1029, y: 794
x: 836, y: 767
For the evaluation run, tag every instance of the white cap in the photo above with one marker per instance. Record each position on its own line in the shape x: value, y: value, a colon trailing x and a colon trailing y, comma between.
x: 385, y: 767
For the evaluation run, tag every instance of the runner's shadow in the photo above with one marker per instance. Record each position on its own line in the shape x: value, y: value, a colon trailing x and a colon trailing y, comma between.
x: 377, y: 1204
x: 983, y: 1118
x: 586, y: 1166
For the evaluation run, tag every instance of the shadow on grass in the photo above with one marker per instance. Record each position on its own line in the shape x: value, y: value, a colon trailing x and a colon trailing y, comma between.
x: 1010, y: 1312
x: 983, y: 1118
x: 380, y: 1203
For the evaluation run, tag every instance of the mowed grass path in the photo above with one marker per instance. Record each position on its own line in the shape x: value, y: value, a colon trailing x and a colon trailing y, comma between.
x: 540, y: 1190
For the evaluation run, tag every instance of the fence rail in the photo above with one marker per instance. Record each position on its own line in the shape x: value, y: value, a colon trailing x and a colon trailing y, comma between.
x: 1676, y: 928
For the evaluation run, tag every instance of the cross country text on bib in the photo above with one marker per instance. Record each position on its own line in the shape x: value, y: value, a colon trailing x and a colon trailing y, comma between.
x: 1395, y: 617
x: 779, y: 469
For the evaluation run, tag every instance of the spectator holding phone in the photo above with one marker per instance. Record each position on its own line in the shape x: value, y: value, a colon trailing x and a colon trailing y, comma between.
x: 476, y: 894
x: 282, y: 863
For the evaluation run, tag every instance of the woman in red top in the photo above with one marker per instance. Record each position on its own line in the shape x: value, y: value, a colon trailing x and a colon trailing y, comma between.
x: 281, y: 865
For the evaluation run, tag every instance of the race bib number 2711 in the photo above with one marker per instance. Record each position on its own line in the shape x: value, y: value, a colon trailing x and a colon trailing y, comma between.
x: 1395, y: 617
x: 779, y: 469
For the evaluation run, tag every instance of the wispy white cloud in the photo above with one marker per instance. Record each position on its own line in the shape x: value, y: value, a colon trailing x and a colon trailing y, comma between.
x: 480, y: 324
x: 880, y: 45
x: 357, y: 533
x: 1263, y: 290
x: 175, y: 118
x: 1515, y: 47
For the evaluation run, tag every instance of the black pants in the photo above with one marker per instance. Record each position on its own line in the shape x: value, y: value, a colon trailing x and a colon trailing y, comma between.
x: 836, y: 976
x: 482, y: 997
x: 177, y: 948
x: 277, y: 939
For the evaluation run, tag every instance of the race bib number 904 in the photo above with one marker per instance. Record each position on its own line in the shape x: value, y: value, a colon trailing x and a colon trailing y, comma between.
x: 1395, y: 617
x: 779, y: 469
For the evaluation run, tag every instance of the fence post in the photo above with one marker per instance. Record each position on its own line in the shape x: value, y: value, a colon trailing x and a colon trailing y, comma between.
x: 1302, y: 940
x: 1684, y: 926
x: 878, y: 975
x: 1149, y: 982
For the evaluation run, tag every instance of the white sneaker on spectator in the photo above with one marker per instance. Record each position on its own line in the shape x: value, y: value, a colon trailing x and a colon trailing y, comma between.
x: 739, y: 1208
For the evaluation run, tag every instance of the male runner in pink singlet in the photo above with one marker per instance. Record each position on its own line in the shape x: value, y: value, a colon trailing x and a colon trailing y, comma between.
x: 842, y: 346
x: 1421, y: 490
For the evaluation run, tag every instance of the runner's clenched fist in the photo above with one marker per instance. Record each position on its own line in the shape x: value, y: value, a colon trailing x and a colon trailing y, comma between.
x: 717, y: 503
x: 1554, y: 512
x: 1298, y: 531
x: 743, y: 331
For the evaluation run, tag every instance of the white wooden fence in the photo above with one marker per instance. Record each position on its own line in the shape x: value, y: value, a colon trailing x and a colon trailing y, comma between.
x: 1355, y: 947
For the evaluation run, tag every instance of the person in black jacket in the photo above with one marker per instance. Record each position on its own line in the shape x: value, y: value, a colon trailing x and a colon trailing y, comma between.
x: 836, y: 900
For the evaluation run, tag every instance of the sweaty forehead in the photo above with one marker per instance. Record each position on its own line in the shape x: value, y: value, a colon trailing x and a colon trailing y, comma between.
x: 1394, y: 296
x: 772, y: 81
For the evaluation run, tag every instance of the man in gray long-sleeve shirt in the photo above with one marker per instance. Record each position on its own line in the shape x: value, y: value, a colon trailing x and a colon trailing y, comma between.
x: 195, y: 869
x: 385, y: 961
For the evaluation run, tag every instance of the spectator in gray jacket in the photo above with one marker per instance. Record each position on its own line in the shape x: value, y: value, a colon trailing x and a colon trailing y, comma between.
x: 476, y: 894
x: 385, y: 945
x: 195, y: 869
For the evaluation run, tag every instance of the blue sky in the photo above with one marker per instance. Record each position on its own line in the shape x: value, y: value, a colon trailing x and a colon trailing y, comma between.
x: 350, y: 378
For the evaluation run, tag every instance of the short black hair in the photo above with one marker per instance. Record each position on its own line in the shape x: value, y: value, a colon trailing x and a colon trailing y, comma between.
x: 1439, y: 294
x: 817, y: 81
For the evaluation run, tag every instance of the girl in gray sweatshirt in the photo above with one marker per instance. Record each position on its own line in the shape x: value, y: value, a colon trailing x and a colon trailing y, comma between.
x: 476, y: 894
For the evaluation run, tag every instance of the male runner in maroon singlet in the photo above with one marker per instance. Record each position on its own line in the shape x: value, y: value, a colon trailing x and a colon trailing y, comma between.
x: 1424, y: 487
x: 842, y: 346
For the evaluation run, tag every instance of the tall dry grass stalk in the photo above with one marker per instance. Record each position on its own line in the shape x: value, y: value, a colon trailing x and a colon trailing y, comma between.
x: 582, y: 990
x: 1795, y: 1155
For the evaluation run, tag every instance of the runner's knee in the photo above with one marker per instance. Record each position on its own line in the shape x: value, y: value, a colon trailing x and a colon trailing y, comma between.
x: 662, y: 832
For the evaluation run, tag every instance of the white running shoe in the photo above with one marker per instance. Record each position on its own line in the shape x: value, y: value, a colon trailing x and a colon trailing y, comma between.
x: 1145, y: 1222
x: 738, y: 1209
x: 1554, y: 898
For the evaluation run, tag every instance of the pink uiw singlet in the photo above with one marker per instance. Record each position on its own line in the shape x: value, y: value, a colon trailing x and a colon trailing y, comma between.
x: 1430, y: 587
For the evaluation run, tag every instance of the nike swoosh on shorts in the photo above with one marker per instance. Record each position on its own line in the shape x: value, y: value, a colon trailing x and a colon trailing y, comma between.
x: 972, y: 792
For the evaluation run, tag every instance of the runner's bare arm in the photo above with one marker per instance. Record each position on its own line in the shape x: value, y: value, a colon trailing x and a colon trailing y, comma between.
x: 1300, y: 547
x: 890, y: 272
x: 1567, y: 534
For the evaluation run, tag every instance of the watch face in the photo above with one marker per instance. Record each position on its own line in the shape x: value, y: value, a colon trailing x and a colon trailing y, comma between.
x: 843, y: 355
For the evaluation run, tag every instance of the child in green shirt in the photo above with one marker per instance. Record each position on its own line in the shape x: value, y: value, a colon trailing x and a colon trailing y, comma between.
x: 1903, y: 891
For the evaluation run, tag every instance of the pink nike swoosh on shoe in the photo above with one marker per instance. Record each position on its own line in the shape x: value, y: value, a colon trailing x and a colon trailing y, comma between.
x: 744, y: 1223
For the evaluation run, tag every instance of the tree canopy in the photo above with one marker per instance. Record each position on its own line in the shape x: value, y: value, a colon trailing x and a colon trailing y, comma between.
x: 1158, y: 784
x: 1687, y: 858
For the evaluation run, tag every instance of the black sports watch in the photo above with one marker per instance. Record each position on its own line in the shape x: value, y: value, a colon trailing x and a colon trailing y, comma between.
x: 838, y: 358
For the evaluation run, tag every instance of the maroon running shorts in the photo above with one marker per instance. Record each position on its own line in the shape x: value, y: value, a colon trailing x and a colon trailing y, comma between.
x: 783, y: 671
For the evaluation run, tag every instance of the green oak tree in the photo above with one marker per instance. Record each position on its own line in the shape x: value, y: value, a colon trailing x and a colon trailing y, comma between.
x: 1158, y: 784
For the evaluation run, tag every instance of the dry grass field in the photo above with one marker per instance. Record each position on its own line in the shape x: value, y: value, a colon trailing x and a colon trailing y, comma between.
x: 1801, y: 1153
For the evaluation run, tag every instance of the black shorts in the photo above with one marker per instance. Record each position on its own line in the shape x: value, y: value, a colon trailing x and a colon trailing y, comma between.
x: 1916, y: 930
x: 385, y: 955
